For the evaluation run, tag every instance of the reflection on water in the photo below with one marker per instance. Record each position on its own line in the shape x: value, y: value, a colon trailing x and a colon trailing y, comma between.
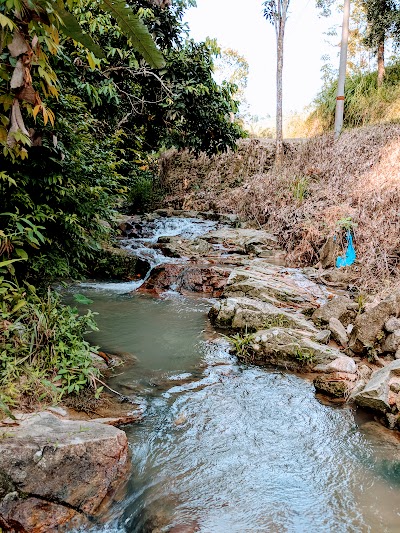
x: 230, y: 449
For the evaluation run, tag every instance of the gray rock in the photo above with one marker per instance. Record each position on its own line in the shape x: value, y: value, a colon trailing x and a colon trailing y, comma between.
x: 392, y: 342
x: 392, y: 324
x: 397, y: 354
x: 340, y: 307
x: 369, y: 326
x: 375, y: 394
x: 322, y: 336
x: 338, y: 331
x: 337, y: 385
x: 240, y: 237
x: 275, y: 285
x: 74, y: 463
x: 341, y: 364
x: 291, y: 349
x: 249, y: 314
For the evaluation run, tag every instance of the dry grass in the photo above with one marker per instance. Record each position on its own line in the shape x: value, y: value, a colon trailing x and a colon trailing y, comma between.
x: 322, y: 183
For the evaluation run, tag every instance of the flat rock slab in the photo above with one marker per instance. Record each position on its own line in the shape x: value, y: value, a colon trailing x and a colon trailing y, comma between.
x: 73, y: 463
x: 277, y: 285
x: 241, y: 237
x: 251, y: 315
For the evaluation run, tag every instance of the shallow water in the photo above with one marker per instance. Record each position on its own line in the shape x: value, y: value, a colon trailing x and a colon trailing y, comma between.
x: 224, y: 448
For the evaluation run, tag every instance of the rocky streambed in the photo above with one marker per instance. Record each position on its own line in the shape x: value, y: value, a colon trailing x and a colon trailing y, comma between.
x: 57, y: 472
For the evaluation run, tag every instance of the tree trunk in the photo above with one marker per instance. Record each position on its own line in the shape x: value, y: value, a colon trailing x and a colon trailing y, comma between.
x: 381, y: 63
x: 279, y: 87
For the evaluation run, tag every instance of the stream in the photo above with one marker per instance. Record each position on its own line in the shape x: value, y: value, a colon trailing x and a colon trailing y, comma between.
x: 231, y: 448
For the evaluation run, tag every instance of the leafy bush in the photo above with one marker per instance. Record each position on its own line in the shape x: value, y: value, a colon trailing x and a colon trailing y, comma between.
x: 43, y: 354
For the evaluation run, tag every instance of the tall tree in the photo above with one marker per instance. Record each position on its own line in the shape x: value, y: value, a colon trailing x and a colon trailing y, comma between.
x: 382, y: 16
x: 276, y: 12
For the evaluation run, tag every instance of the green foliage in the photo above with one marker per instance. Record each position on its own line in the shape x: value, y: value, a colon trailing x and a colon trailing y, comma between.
x: 135, y: 30
x: 304, y: 356
x: 346, y: 224
x: 43, y: 353
x: 365, y: 103
x: 242, y: 346
x: 300, y: 187
x: 63, y: 195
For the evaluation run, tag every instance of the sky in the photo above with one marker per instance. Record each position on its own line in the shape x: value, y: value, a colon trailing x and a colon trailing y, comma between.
x: 245, y: 30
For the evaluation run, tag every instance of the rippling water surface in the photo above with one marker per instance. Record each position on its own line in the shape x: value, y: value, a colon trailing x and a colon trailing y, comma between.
x: 225, y: 448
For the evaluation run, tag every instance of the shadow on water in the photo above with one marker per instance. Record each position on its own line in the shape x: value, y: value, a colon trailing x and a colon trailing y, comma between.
x: 225, y: 448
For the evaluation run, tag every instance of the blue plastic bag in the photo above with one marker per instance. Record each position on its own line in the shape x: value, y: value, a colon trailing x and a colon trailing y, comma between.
x: 350, y: 255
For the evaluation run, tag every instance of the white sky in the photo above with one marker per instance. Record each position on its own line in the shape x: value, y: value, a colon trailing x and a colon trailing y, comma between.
x: 245, y: 30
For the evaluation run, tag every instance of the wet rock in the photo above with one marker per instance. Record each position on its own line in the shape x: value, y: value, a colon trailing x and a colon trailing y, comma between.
x: 392, y: 324
x: 205, y: 279
x: 117, y: 263
x: 338, y: 385
x: 322, y: 336
x: 341, y: 364
x: 338, y: 331
x: 369, y: 326
x: 178, y: 247
x: 290, y: 349
x: 392, y: 342
x: 250, y: 314
x: 33, y: 515
x: 340, y: 307
x: 275, y: 285
x: 376, y: 393
x: 74, y: 463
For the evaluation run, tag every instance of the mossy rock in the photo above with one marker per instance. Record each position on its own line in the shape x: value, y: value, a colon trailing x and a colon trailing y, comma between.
x: 118, y: 264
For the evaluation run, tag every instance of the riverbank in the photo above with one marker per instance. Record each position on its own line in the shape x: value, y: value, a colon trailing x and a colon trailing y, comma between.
x: 323, y: 188
x: 275, y: 316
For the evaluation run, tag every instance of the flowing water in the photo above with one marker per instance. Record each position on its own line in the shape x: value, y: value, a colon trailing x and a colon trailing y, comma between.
x: 227, y: 448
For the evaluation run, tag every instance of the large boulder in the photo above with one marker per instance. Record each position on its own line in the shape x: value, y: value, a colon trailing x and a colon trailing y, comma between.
x: 341, y: 308
x: 369, y: 326
x: 290, y: 349
x: 248, y: 314
x: 186, y: 278
x: 73, y: 463
x: 33, y: 515
x: 275, y: 285
x: 378, y: 393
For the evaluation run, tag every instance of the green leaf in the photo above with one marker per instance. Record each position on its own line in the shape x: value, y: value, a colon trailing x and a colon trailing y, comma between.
x: 17, y: 307
x: 133, y: 28
x: 6, y: 410
x: 73, y: 29
x: 21, y: 253
x: 81, y: 299
x: 8, y: 262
